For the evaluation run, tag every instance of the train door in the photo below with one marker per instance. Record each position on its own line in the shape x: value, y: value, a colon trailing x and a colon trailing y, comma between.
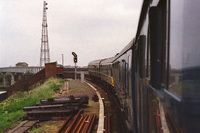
x: 157, y: 56
x: 140, y: 92
x: 142, y: 86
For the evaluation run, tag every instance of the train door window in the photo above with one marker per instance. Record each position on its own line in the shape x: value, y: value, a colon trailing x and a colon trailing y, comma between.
x: 119, y: 70
x: 124, y: 76
x: 142, y: 43
x: 136, y: 57
x: 128, y: 82
x: 148, y: 55
x: 175, y: 48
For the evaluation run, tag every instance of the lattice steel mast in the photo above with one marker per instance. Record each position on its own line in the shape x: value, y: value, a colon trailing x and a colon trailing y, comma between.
x: 44, y: 53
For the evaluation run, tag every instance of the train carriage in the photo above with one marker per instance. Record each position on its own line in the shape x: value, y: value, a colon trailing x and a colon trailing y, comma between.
x: 165, y: 57
x: 156, y: 76
x: 122, y: 75
x: 94, y: 69
x: 106, y: 71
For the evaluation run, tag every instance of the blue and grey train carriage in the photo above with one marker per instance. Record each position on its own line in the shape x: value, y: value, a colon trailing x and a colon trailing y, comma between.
x: 157, y: 75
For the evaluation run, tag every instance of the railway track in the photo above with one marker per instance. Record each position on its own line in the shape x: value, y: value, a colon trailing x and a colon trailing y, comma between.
x: 107, y: 124
x: 79, y: 124
x: 116, y: 103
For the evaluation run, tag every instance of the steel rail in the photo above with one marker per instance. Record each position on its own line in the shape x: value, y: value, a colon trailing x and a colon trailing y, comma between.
x: 107, y: 123
x: 82, y: 124
x: 91, y: 124
x: 63, y: 127
x: 70, y: 127
x: 76, y: 125
x: 87, y: 123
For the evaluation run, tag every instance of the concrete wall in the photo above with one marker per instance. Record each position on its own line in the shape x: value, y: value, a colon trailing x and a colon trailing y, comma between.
x: 70, y: 73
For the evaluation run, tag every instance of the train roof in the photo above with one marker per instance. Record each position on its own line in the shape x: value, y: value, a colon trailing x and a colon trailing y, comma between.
x: 129, y: 46
x: 95, y: 62
x: 110, y: 60
x: 107, y: 61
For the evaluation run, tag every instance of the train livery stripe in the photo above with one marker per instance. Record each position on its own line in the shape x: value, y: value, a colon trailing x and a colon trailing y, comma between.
x: 111, y: 78
x: 112, y: 81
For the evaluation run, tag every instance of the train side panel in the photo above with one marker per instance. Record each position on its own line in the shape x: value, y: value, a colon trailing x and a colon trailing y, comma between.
x: 122, y: 75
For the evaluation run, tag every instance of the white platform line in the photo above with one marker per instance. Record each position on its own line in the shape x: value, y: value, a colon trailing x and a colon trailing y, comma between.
x: 100, y: 128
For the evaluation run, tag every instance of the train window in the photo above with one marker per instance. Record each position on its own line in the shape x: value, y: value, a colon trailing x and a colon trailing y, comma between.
x: 156, y: 30
x: 175, y: 48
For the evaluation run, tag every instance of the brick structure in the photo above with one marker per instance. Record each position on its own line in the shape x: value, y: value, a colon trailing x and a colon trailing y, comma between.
x: 50, y: 70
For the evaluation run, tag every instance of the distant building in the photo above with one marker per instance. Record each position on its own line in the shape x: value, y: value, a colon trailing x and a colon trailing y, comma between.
x: 21, y: 64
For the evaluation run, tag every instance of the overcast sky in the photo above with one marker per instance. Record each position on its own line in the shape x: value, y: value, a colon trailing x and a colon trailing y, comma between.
x: 93, y: 29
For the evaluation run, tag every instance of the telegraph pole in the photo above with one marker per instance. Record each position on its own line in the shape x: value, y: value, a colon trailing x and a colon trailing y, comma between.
x: 75, y: 61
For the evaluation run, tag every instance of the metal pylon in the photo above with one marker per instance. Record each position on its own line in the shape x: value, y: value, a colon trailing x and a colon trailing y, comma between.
x: 44, y: 53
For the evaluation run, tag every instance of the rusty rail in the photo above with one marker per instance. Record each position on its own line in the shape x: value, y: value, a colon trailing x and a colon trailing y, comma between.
x: 80, y: 124
x: 91, y: 124
x: 63, y: 127
x: 73, y: 122
x: 107, y: 123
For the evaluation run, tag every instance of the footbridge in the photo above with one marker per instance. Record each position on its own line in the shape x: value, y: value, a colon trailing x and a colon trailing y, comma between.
x: 16, y: 73
x: 31, y: 69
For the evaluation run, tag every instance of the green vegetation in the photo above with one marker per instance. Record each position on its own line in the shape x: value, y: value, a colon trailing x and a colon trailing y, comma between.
x: 75, y: 89
x: 45, y: 129
x: 35, y: 130
x: 11, y: 110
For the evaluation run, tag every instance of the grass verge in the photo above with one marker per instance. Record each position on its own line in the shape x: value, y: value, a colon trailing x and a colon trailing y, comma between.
x: 11, y: 109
